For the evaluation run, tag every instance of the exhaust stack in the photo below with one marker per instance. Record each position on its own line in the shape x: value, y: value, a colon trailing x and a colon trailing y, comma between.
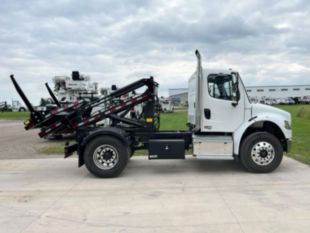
x: 198, y: 92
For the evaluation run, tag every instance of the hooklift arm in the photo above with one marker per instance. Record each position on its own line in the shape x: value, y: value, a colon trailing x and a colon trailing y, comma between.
x: 52, y: 95
x: 21, y: 94
x: 74, y: 116
x: 111, y: 107
x: 34, y: 115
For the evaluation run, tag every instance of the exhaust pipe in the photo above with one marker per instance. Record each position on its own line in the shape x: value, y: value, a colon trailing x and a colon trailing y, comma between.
x: 198, y: 92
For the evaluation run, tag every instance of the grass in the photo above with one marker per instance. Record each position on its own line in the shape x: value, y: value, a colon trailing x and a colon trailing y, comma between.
x: 301, y: 133
x: 174, y: 121
x: 53, y: 150
x: 304, y: 112
x: 14, y: 115
x: 177, y: 121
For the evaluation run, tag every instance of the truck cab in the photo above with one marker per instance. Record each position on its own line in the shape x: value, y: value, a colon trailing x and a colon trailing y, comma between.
x: 226, y: 125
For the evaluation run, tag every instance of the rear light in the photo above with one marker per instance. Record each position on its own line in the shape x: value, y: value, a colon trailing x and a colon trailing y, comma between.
x: 28, y: 124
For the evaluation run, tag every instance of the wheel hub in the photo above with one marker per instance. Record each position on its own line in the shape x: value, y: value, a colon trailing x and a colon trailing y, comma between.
x: 262, y: 153
x: 105, y: 157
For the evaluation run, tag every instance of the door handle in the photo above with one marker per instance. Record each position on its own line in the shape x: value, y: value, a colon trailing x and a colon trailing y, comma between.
x: 207, y: 113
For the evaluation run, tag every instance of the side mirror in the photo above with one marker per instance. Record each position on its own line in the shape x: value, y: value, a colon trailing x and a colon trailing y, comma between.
x: 235, y: 89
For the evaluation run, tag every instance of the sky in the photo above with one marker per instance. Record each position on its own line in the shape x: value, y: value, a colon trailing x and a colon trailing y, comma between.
x: 118, y: 42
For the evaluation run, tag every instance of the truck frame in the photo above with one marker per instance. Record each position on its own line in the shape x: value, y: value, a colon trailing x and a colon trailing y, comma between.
x: 223, y: 124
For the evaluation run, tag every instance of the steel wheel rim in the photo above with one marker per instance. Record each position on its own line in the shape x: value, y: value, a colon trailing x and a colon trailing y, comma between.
x: 105, y: 157
x: 262, y: 153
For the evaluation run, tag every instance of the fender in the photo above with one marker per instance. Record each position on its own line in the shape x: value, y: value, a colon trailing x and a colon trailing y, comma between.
x: 106, y: 131
x: 263, y: 117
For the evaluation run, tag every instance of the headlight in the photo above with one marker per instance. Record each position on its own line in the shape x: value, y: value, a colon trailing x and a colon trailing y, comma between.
x: 287, y: 125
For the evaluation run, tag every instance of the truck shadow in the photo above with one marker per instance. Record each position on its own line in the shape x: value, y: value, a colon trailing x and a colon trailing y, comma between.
x: 192, y: 166
x: 214, y: 166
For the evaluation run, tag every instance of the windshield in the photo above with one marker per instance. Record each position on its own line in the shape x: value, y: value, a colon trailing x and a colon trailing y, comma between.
x: 240, y: 80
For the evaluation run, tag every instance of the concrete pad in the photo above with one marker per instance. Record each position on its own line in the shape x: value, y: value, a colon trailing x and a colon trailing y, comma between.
x: 53, y: 195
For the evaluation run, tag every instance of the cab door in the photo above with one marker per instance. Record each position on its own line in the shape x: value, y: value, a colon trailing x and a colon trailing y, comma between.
x: 223, y: 103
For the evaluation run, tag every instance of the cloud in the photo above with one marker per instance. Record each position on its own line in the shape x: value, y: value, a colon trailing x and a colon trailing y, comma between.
x: 121, y: 41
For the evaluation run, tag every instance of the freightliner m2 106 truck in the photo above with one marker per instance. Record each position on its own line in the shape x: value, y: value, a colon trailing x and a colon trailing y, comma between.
x: 223, y: 124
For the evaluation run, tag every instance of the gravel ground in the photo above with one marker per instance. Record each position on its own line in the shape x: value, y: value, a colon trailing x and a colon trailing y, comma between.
x: 17, y: 143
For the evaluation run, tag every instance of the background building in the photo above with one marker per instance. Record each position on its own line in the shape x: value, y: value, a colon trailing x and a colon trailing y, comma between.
x: 278, y: 91
x: 179, y: 95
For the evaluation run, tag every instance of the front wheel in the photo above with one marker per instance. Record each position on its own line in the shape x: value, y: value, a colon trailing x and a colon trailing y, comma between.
x: 261, y: 152
x: 106, y: 157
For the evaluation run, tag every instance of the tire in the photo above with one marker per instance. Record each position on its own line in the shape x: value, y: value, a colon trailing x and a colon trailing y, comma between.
x: 106, y: 157
x: 261, y: 152
x: 130, y: 152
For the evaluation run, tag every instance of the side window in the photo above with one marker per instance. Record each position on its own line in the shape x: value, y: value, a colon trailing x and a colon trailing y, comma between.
x: 220, y: 86
x: 213, y: 90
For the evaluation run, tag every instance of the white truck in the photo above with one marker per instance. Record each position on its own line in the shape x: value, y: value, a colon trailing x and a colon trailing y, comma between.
x: 14, y: 107
x: 78, y: 86
x: 227, y: 125
x: 223, y: 125
x: 305, y: 100
x: 166, y: 104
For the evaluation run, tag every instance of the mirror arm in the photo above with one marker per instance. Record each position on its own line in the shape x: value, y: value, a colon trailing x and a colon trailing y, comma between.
x: 234, y: 103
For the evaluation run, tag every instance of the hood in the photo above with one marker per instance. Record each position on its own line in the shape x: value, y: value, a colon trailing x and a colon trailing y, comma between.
x: 263, y: 108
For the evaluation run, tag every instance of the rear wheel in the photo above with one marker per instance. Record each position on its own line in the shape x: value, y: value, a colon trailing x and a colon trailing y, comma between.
x: 106, y: 157
x: 130, y: 153
x: 261, y: 152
